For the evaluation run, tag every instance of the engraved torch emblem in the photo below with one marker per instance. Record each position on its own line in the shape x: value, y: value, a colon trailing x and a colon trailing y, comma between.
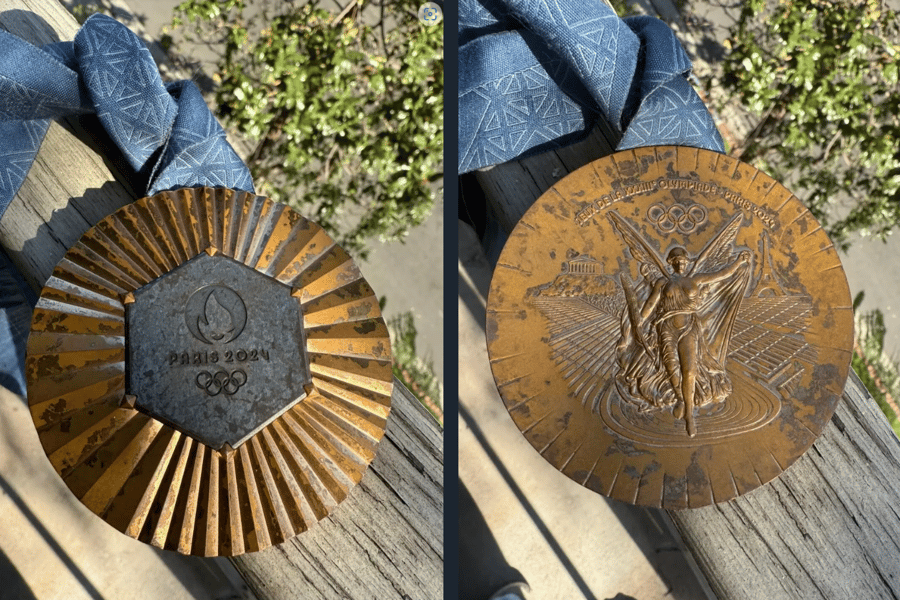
x: 215, y: 314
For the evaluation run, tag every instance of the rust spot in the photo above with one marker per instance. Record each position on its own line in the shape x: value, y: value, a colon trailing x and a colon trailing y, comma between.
x: 360, y: 310
x: 365, y: 327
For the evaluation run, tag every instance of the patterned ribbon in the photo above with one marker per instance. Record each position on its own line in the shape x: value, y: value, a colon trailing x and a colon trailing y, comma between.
x: 538, y: 74
x: 166, y: 133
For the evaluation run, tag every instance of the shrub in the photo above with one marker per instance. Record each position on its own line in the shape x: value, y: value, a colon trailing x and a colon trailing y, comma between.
x: 346, y: 114
x: 822, y: 76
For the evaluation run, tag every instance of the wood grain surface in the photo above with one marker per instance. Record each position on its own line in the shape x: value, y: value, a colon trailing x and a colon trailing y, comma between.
x: 826, y: 528
x: 386, y: 539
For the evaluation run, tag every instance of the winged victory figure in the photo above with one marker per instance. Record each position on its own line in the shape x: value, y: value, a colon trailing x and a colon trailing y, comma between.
x: 641, y: 343
x: 673, y: 346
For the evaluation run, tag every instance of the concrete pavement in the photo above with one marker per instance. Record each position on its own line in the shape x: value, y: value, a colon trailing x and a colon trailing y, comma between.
x: 410, y: 274
x: 870, y: 264
x: 565, y: 541
x: 536, y: 525
x: 53, y: 548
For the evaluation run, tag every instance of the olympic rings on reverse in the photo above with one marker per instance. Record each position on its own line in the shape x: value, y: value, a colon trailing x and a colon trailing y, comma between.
x: 685, y: 220
x: 221, y: 381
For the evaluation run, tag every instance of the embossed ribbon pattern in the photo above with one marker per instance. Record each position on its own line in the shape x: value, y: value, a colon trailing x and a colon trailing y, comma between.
x: 166, y: 132
x: 538, y: 74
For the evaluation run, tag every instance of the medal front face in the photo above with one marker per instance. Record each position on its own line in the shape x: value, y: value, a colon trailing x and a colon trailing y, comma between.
x: 669, y: 327
x: 209, y: 372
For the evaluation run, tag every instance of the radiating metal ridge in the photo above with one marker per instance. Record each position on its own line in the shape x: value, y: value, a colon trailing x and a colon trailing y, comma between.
x: 147, y: 477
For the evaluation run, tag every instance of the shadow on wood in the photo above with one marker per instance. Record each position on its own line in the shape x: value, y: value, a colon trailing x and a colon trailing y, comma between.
x: 386, y: 540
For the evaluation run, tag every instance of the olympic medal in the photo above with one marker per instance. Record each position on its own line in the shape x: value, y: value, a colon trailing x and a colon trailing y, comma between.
x: 209, y: 372
x: 669, y: 327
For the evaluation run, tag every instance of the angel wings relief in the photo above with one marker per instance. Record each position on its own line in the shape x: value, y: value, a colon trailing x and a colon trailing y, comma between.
x: 658, y: 350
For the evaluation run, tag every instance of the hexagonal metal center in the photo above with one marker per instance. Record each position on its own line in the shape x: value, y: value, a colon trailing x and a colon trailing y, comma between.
x: 216, y: 350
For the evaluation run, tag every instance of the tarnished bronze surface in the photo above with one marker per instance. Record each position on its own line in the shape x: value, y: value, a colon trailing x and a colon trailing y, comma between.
x: 215, y: 349
x: 141, y: 448
x: 669, y: 327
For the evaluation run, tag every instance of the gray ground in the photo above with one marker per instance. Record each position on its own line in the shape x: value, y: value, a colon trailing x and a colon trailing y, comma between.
x: 870, y: 264
x: 409, y: 274
x: 525, y: 521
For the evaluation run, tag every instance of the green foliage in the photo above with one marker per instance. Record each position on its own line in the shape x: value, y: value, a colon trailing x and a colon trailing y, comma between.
x: 623, y: 8
x: 823, y: 76
x: 878, y: 373
x: 415, y: 373
x: 82, y: 10
x: 347, y: 116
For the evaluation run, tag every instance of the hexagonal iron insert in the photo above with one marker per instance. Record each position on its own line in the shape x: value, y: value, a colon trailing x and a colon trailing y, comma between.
x: 216, y: 350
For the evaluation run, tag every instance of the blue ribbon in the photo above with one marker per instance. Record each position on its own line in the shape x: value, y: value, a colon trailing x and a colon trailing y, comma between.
x: 538, y: 74
x: 166, y: 133
x: 16, y: 302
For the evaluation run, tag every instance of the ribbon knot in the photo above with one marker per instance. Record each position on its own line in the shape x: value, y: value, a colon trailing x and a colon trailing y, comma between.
x: 165, y: 132
x: 538, y: 74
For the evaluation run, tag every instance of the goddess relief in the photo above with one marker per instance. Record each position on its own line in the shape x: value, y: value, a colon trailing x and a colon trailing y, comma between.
x: 674, y: 344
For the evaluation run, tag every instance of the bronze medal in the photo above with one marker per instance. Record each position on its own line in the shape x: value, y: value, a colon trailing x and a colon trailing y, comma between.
x: 669, y: 327
x: 209, y: 372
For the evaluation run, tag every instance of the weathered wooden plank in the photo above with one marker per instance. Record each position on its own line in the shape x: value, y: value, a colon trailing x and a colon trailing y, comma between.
x: 512, y: 187
x: 829, y: 527
x: 386, y: 539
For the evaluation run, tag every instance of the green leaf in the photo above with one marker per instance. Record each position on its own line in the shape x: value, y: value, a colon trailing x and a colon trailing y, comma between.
x: 824, y: 79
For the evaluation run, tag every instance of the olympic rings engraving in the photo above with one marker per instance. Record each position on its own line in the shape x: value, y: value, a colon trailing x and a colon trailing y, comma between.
x: 685, y: 220
x: 221, y: 381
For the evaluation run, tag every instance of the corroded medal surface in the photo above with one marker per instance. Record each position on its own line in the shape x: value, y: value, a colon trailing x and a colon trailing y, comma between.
x: 208, y: 371
x: 209, y: 346
x: 669, y: 327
